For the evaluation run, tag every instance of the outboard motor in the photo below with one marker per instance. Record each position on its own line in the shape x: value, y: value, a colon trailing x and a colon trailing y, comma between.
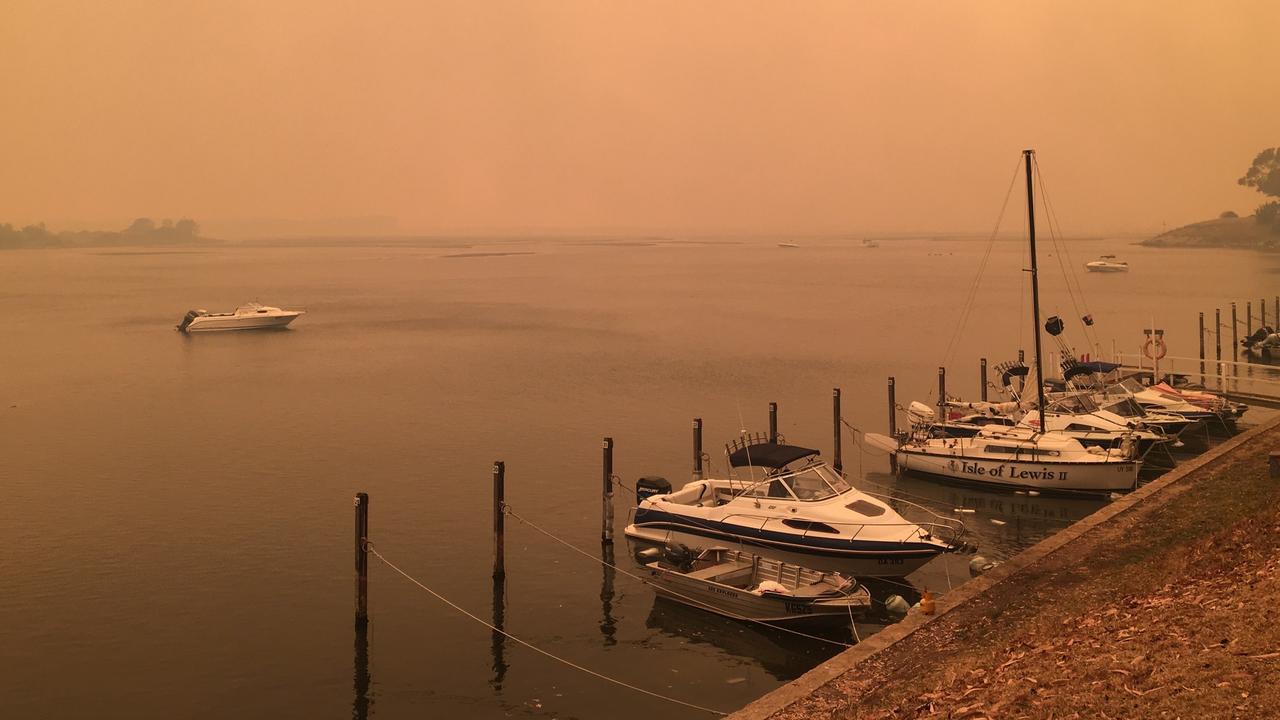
x: 186, y: 321
x: 650, y: 485
x: 921, y: 414
x: 1258, y: 336
x: 679, y: 557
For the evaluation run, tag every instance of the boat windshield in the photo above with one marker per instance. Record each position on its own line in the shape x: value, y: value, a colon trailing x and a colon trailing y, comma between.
x: 1126, y: 407
x: 1074, y: 405
x: 1130, y: 385
x: 815, y: 482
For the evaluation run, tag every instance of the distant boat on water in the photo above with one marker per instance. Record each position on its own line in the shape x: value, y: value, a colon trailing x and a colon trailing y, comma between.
x: 871, y: 243
x: 246, y: 317
x: 789, y: 244
x: 1107, y: 263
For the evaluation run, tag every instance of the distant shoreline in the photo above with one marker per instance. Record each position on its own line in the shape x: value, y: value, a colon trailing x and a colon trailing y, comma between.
x: 1234, y: 232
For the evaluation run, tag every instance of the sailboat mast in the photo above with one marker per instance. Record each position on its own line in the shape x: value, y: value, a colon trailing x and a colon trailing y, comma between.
x: 1035, y: 288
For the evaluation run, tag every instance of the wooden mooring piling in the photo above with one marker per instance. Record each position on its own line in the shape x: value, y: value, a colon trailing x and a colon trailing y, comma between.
x: 362, y: 559
x: 606, y: 512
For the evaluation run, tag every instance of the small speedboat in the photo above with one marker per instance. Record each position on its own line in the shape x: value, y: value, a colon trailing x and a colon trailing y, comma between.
x: 788, y: 244
x: 246, y: 317
x: 784, y: 502
x: 1107, y: 263
x: 744, y: 586
x: 1264, y: 339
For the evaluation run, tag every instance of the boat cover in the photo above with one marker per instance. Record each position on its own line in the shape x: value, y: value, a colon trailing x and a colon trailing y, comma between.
x: 768, y: 455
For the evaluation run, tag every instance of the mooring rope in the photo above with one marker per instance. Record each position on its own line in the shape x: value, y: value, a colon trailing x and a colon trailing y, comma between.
x: 535, y: 648
x: 507, y: 509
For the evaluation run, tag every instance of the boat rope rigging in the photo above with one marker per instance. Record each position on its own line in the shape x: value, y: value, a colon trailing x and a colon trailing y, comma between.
x: 966, y: 307
x: 557, y: 658
x: 1070, y: 277
x: 507, y: 509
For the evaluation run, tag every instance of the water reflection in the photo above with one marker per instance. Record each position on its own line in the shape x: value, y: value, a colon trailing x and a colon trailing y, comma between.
x: 1002, y: 522
x: 783, y: 655
x: 498, y: 641
x: 608, y: 625
x: 362, y: 702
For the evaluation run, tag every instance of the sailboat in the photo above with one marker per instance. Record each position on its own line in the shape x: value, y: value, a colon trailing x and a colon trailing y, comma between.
x: 1019, y: 456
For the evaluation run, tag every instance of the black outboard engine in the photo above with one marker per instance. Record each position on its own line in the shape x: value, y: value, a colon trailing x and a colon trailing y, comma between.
x: 186, y: 321
x: 650, y: 485
x: 1258, y: 336
x: 679, y: 557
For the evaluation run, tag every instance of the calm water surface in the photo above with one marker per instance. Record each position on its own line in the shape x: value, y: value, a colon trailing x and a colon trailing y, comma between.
x: 178, y: 509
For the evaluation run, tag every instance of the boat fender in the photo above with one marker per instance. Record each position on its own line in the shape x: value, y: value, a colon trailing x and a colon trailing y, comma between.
x: 896, y: 605
x: 979, y: 565
x: 772, y: 587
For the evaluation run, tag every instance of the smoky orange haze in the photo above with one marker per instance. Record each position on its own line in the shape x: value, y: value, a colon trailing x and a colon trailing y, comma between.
x: 632, y: 117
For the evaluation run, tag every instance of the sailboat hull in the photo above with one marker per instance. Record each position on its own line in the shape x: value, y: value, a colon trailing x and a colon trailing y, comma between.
x: 1051, y: 476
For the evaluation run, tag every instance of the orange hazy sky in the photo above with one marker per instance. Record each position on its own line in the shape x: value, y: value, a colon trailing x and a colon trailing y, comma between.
x: 693, y: 116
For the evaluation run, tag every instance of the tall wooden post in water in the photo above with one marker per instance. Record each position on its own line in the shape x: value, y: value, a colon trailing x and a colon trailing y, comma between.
x: 942, y: 394
x: 835, y: 422
x: 499, y: 529
x: 1235, y: 331
x: 1202, y: 349
x: 1262, y: 310
x: 1217, y: 344
x: 1248, y: 318
x: 982, y: 378
x: 697, y: 448
x: 606, y: 510
x: 362, y: 559
x: 893, y: 423
x: 773, y: 422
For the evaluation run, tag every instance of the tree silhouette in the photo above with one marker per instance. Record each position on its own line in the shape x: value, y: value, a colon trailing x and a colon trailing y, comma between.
x: 1264, y: 174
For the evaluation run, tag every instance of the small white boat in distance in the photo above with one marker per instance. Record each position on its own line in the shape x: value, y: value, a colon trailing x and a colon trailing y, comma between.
x: 1107, y: 263
x: 246, y: 317
x: 789, y: 244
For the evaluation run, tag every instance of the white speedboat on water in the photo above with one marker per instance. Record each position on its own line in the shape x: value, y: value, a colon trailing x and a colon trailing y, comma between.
x: 783, y: 502
x: 1107, y: 263
x: 246, y: 317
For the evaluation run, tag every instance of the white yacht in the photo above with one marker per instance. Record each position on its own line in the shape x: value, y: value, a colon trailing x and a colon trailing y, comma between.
x: 246, y: 317
x: 1019, y: 457
x: 1016, y: 457
x: 793, y: 507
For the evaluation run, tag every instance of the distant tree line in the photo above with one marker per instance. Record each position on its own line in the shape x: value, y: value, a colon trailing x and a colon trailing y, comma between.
x: 1264, y: 176
x: 143, y: 231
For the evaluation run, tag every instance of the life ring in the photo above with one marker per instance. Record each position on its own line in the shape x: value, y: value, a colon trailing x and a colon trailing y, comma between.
x: 1160, y: 349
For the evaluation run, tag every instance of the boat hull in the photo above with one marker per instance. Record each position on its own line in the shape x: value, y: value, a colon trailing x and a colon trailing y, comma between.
x: 1051, y: 476
x: 742, y: 604
x: 250, y: 322
x: 891, y: 560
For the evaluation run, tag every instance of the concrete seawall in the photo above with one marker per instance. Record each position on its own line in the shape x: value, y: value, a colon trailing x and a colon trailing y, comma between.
x: 905, y: 650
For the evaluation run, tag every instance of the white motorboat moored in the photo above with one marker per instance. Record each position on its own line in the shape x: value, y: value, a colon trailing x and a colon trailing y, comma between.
x: 1107, y: 263
x: 793, y: 507
x: 744, y: 586
x: 246, y: 317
